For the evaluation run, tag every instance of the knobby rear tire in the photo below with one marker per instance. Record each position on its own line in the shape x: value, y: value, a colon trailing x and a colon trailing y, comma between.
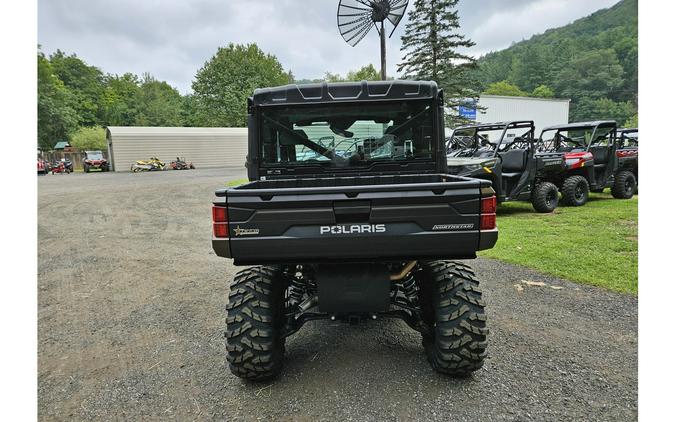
x: 545, y: 197
x: 624, y: 185
x: 453, y: 307
x: 255, y: 346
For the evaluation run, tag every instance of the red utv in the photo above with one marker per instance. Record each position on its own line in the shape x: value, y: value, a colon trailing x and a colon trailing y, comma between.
x: 590, y: 157
x: 93, y: 160
x: 42, y: 167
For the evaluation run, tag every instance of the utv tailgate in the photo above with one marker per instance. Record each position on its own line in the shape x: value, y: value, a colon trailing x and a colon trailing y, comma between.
x: 354, y: 218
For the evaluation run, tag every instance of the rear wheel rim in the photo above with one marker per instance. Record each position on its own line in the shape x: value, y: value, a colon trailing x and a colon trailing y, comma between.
x: 628, y: 186
x: 550, y: 197
x: 579, y: 192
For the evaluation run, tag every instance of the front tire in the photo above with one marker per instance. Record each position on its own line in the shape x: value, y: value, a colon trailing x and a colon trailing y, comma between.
x: 575, y: 191
x: 545, y: 197
x: 453, y: 307
x: 255, y: 345
x: 624, y: 185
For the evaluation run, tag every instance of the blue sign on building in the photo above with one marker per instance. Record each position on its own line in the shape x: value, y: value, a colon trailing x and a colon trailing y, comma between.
x: 468, y: 110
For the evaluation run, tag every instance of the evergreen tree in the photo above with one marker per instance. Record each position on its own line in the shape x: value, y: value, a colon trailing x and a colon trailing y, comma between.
x: 431, y: 42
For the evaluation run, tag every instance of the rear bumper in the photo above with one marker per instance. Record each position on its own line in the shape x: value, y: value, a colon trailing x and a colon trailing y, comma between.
x: 488, y: 239
x: 421, y: 245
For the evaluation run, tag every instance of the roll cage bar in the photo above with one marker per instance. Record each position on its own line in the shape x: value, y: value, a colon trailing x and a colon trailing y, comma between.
x: 554, y: 143
x: 487, y: 127
x: 623, y: 134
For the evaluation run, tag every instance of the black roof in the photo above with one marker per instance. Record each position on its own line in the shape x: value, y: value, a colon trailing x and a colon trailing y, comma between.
x: 583, y: 125
x: 344, y: 92
x: 516, y: 124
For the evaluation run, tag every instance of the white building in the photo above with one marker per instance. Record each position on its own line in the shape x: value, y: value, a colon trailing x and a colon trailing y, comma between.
x: 203, y: 146
x: 543, y: 111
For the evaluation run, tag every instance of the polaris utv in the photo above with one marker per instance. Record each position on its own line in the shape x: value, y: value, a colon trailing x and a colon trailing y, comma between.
x: 589, y: 151
x: 366, y: 226
x: 626, y: 177
x: 507, y: 160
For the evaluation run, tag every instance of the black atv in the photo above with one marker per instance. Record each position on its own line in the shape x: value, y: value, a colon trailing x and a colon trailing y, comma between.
x: 626, y: 177
x: 589, y: 150
x: 504, y: 154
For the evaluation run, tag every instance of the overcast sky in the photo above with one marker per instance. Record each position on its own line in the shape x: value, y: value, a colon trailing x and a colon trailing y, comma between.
x: 171, y: 39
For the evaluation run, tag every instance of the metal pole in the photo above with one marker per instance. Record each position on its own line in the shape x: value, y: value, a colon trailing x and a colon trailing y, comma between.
x: 383, y: 54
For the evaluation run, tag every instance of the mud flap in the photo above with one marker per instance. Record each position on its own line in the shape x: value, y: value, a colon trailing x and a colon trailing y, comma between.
x: 353, y: 288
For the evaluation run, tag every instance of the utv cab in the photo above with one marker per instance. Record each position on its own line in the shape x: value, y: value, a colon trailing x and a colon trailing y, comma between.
x: 589, y: 150
x: 504, y: 154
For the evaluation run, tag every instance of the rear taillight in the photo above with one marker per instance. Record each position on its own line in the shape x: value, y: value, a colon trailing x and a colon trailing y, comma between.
x: 488, y: 210
x: 488, y: 205
x: 220, y: 224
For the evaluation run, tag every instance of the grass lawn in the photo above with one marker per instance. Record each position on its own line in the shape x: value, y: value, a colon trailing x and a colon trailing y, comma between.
x: 236, y: 182
x: 595, y: 244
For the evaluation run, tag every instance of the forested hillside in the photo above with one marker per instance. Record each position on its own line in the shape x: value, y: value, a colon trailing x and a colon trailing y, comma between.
x: 593, y: 61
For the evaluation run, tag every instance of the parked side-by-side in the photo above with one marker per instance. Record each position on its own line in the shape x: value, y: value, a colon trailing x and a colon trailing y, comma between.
x: 574, y: 159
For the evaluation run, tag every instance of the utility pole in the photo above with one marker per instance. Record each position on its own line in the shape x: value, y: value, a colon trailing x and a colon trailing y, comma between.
x: 383, y: 53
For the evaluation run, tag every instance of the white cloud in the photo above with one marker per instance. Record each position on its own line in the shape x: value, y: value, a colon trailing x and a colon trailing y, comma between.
x: 172, y: 39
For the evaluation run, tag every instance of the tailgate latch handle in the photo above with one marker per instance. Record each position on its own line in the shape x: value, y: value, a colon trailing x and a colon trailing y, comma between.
x: 352, y: 211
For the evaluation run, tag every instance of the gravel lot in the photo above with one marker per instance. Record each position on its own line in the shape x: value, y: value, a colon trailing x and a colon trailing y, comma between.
x: 132, y: 309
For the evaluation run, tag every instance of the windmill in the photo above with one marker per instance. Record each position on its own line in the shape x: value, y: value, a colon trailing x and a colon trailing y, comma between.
x: 355, y: 18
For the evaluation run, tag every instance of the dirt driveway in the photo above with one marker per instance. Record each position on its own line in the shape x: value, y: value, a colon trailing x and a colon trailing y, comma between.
x: 132, y: 309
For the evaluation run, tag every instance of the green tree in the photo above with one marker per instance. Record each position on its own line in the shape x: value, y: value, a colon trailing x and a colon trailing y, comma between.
x: 531, y: 68
x: 223, y: 84
x: 602, y: 109
x: 189, y: 111
x: 430, y: 44
x: 632, y: 121
x: 83, y: 81
x: 56, y: 116
x: 89, y: 138
x: 118, y: 104
x: 333, y: 77
x: 504, y: 88
x: 593, y: 74
x: 365, y: 73
x: 159, y: 104
x: 542, y: 91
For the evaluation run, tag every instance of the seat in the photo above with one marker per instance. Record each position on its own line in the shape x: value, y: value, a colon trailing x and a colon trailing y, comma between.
x: 513, y: 162
x: 509, y: 175
x: 600, y: 154
x: 287, y: 145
